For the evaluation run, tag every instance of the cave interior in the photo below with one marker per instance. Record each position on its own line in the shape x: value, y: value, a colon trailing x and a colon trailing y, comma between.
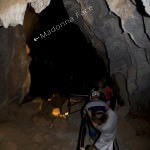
x: 64, y: 61
x: 67, y: 60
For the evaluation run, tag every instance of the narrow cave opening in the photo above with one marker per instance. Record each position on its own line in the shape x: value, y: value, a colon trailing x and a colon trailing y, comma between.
x: 62, y: 59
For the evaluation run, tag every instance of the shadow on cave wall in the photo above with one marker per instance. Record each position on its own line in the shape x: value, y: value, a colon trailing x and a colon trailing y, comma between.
x: 63, y: 61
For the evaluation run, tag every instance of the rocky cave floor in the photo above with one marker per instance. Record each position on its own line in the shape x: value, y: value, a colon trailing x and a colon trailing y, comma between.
x: 22, y: 127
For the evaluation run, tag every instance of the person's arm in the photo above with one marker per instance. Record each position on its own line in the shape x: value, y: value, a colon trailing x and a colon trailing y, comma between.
x: 94, y: 124
x: 89, y: 114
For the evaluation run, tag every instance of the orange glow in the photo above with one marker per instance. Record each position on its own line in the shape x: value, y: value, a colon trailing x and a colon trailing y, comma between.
x: 56, y: 112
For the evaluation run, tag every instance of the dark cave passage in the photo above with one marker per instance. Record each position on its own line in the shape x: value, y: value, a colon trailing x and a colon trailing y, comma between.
x: 63, y: 61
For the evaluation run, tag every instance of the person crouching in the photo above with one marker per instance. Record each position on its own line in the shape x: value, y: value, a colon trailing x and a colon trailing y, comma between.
x: 106, y: 123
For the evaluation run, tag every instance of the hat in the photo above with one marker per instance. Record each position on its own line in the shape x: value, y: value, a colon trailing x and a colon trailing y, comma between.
x: 95, y: 94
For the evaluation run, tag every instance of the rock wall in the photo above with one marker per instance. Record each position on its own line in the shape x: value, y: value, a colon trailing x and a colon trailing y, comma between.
x: 14, y: 64
x: 118, y: 29
x: 30, y: 23
x: 12, y: 12
x: 121, y: 35
x: 14, y: 59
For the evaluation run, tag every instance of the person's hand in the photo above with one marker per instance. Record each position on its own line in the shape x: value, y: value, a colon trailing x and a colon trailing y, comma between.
x: 94, y: 124
x: 82, y: 148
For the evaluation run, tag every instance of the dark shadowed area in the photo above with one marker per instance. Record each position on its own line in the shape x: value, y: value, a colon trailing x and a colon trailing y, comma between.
x: 62, y: 60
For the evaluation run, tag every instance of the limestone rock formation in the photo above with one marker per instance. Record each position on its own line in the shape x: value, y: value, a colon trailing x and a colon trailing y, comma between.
x: 12, y: 12
x: 14, y: 64
x: 146, y: 4
x: 121, y: 33
x: 15, y: 76
x: 118, y: 29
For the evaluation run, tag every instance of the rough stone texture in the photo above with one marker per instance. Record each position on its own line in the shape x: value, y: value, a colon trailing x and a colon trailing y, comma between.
x: 131, y: 20
x: 39, y: 5
x: 123, y: 34
x: 118, y: 31
x: 147, y: 23
x: 12, y: 12
x: 14, y: 63
x: 146, y: 4
x: 30, y: 23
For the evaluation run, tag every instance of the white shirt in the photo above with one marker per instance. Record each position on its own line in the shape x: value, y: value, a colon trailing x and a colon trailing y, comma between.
x: 108, y: 132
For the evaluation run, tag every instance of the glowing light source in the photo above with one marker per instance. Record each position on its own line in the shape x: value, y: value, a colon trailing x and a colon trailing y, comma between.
x: 56, y: 112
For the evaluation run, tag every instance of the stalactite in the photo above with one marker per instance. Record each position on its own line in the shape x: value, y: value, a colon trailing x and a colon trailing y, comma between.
x: 12, y: 12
